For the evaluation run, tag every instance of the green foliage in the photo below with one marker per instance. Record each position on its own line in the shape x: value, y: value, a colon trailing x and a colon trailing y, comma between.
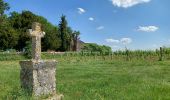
x: 63, y: 31
x: 22, y: 22
x: 5, y: 56
x: 58, y: 38
x: 62, y: 38
x: 3, y: 6
x: 51, y: 41
x: 69, y: 38
x: 92, y: 47
x: 27, y: 50
x: 8, y: 36
x: 126, y: 55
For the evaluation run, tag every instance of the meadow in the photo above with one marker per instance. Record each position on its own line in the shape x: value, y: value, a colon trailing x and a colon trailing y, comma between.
x: 96, y: 77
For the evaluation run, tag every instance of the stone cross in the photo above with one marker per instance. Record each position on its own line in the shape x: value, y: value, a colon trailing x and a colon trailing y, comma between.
x: 36, y: 33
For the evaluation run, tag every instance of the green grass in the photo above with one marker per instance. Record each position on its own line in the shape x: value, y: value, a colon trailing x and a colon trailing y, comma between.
x: 89, y: 79
x: 10, y: 56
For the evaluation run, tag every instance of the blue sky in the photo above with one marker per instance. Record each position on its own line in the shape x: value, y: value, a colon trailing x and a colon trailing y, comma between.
x: 136, y: 24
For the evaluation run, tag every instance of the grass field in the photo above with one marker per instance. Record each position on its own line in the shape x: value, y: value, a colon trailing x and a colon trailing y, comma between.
x: 90, y: 79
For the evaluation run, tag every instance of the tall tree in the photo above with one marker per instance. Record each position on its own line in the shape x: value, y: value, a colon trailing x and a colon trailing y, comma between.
x: 8, y: 36
x: 3, y: 6
x: 64, y: 34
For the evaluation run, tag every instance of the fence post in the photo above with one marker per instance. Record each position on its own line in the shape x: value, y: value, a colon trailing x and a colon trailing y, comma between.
x: 127, y: 54
x: 161, y: 54
x: 111, y: 55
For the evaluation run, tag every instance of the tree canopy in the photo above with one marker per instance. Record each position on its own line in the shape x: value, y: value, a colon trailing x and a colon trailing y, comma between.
x: 96, y: 48
x: 3, y: 6
x: 58, y: 38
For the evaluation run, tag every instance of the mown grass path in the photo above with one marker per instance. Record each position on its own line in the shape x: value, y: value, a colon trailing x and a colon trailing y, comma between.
x: 97, y: 80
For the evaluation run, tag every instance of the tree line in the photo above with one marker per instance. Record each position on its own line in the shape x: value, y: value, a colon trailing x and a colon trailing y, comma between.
x: 13, y: 33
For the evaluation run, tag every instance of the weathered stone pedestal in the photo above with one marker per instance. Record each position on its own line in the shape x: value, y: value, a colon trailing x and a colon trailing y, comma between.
x: 38, y: 76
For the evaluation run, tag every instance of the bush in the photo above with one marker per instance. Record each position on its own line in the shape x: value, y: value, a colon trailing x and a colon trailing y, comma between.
x: 27, y: 50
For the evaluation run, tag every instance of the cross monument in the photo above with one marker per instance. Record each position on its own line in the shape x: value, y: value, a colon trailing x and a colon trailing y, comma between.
x: 36, y: 75
x: 36, y: 33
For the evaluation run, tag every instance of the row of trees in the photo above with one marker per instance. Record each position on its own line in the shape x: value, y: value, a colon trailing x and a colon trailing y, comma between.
x: 58, y: 38
x: 92, y: 47
x: 13, y: 31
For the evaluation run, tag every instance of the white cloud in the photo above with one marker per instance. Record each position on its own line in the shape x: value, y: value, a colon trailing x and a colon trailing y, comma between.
x: 81, y: 10
x: 148, y: 28
x: 91, y: 18
x: 112, y: 41
x: 128, y: 3
x: 126, y: 40
x: 100, y: 28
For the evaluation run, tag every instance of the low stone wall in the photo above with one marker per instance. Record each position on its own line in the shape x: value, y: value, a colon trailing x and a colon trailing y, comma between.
x: 38, y: 76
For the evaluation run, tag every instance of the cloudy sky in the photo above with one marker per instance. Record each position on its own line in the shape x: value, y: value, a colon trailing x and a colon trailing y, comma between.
x: 136, y: 24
